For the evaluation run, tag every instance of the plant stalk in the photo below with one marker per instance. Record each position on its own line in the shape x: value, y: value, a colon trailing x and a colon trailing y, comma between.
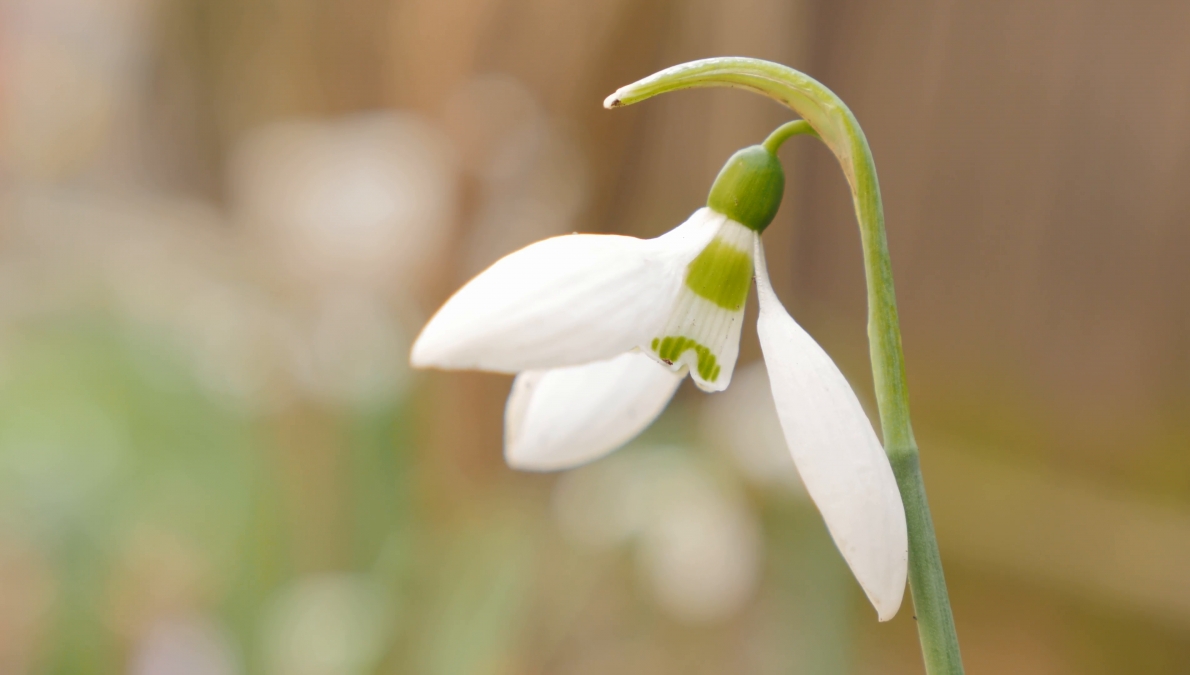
x: 834, y: 123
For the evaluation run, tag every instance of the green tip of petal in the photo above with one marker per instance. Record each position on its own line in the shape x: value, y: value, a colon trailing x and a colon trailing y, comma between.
x: 749, y: 188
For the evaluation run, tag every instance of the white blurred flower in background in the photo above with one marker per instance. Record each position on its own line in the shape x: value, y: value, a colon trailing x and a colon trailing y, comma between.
x: 701, y: 551
x: 365, y: 201
x: 330, y: 624
x: 743, y: 421
x: 531, y: 172
x: 697, y: 543
x: 352, y: 214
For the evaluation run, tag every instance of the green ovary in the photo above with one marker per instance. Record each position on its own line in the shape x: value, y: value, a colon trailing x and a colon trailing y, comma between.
x: 722, y: 274
x: 671, y: 348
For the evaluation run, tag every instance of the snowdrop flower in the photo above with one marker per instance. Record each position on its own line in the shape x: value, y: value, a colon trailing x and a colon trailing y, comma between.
x: 601, y: 330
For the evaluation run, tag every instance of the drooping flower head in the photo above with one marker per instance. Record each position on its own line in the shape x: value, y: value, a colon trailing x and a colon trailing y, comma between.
x: 601, y: 329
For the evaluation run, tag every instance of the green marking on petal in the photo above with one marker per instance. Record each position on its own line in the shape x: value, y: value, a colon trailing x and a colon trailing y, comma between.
x: 722, y: 274
x: 671, y: 348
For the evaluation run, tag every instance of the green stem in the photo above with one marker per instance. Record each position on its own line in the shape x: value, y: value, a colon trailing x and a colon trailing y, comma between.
x: 786, y: 131
x: 822, y: 110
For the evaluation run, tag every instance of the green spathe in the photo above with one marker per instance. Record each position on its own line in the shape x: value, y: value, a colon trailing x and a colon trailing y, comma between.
x: 722, y: 274
x: 749, y: 188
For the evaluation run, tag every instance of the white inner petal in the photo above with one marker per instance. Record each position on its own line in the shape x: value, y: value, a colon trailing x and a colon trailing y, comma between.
x: 702, y: 332
x: 564, y: 417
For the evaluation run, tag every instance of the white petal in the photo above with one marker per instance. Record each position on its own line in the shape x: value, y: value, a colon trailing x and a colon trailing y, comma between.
x: 560, y: 418
x: 841, y: 461
x: 563, y: 301
x: 702, y: 332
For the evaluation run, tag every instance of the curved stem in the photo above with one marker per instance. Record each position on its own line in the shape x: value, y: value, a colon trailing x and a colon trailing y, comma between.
x: 786, y: 131
x: 822, y: 110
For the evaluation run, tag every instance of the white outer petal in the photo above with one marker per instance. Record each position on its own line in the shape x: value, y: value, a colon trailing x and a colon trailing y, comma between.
x: 563, y: 301
x: 561, y: 418
x: 840, y: 460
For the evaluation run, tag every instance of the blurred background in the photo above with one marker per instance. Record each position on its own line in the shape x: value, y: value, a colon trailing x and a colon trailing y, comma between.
x: 223, y: 221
